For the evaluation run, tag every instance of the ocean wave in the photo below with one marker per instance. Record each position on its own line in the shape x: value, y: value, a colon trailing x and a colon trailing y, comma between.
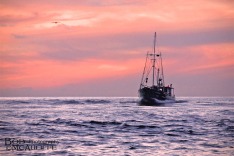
x: 227, y: 112
x: 230, y: 128
x: 55, y: 101
x: 121, y: 125
x: 95, y: 124
x: 6, y: 129
x: 97, y: 101
x: 4, y: 123
x: 79, y: 101
x: 181, y: 101
x: 70, y: 102
x: 15, y: 102
x: 104, y: 122
x: 164, y: 101
x: 129, y: 101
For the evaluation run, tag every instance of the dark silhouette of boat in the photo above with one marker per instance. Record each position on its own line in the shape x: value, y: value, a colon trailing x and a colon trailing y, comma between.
x: 156, y: 92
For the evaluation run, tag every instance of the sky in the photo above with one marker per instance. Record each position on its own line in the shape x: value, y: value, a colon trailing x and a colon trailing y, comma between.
x: 98, y: 48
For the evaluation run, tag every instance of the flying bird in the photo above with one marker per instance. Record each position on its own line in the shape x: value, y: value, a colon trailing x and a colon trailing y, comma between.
x: 55, y: 22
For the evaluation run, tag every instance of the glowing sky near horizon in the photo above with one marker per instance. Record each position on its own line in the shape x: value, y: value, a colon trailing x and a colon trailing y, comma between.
x: 97, y: 48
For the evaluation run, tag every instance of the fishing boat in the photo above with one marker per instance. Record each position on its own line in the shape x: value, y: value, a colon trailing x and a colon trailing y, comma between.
x: 152, y: 89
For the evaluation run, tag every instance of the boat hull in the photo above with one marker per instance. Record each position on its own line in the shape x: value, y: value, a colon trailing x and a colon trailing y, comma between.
x: 154, y: 96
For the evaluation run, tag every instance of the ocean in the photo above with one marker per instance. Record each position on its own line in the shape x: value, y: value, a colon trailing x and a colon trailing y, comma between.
x: 116, y: 126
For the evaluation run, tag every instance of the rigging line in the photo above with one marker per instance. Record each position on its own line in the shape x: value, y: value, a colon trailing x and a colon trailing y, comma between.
x: 157, y: 62
x: 147, y: 75
x: 162, y: 68
x: 148, y: 71
x: 147, y: 66
x: 144, y: 69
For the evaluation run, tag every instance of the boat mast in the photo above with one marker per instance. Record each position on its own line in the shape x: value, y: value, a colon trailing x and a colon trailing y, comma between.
x: 154, y: 57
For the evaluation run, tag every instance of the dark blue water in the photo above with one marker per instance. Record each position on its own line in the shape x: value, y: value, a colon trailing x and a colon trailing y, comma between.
x: 118, y: 126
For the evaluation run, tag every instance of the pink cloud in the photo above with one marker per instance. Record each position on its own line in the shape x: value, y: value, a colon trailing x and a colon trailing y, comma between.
x: 52, y: 44
x: 43, y: 74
